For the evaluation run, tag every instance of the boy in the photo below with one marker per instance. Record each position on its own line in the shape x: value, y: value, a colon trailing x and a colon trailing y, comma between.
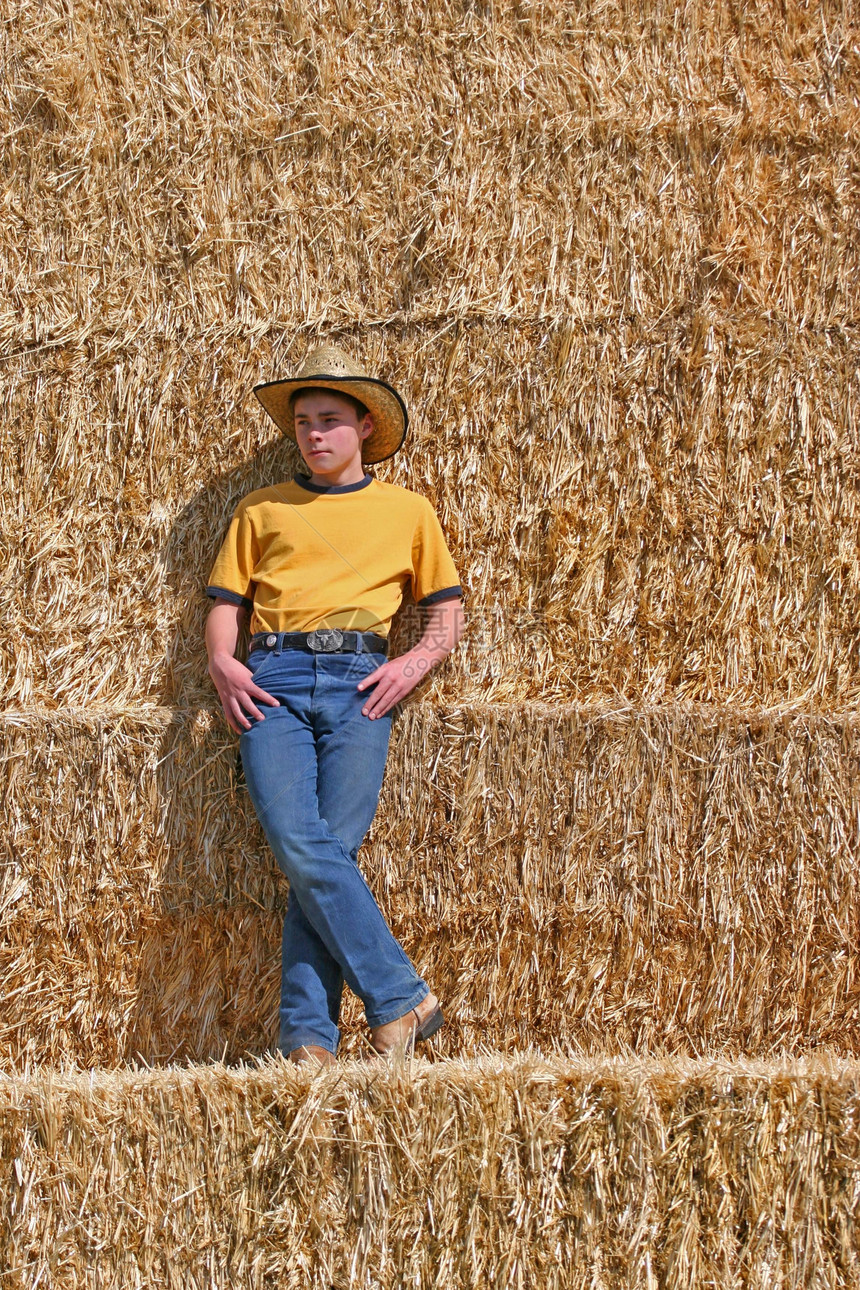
x: 321, y: 563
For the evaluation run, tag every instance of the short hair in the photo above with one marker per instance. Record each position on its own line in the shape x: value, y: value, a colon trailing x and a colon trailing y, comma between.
x: 360, y: 410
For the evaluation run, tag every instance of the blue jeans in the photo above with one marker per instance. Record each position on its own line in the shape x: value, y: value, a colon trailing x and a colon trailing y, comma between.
x: 314, y: 768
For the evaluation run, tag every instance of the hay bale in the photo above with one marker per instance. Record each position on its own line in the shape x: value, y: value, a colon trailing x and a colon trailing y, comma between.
x: 604, y: 877
x: 568, y: 1173
x: 409, y: 162
x: 666, y: 512
x: 609, y: 256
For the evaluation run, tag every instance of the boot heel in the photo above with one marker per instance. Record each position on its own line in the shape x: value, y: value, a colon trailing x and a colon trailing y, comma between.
x: 430, y: 1025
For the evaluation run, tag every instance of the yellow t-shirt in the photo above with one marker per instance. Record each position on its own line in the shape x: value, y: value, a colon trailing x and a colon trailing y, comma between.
x: 303, y: 555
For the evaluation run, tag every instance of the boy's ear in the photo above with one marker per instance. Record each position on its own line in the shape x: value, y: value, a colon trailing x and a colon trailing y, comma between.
x: 366, y: 426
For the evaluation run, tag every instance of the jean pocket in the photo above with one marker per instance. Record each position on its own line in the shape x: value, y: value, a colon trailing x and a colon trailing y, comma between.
x: 353, y: 667
x: 370, y: 662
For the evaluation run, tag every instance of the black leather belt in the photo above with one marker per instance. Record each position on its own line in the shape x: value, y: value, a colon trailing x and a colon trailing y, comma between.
x: 325, y: 640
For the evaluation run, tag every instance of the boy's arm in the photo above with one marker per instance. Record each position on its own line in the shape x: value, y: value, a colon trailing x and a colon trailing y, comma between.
x: 233, y: 681
x: 442, y: 630
x: 394, y: 680
x: 222, y: 628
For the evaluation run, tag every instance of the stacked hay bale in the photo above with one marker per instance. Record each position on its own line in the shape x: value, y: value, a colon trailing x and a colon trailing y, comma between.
x: 607, y: 254
x: 522, y: 1173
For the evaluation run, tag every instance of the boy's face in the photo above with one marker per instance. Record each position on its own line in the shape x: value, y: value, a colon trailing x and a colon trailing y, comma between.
x: 329, y: 432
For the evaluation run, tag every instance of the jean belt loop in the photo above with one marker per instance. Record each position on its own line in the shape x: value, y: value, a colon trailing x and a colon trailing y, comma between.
x: 279, y: 648
x: 359, y: 643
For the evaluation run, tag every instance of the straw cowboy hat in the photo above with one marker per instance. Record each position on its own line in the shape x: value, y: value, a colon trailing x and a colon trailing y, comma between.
x: 329, y: 368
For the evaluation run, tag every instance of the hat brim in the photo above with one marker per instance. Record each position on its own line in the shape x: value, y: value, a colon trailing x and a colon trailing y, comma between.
x: 390, y: 418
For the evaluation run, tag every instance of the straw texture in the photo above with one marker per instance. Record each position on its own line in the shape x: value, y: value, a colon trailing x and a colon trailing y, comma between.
x: 608, y: 252
x: 524, y: 1173
x: 608, y: 258
x: 628, y: 877
x: 670, y: 514
x: 320, y: 166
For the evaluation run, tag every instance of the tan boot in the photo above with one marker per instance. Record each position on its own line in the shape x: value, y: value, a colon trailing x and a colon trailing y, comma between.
x: 311, y: 1055
x: 402, y: 1034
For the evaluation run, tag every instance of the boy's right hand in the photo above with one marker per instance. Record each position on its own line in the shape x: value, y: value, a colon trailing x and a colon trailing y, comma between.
x: 237, y: 691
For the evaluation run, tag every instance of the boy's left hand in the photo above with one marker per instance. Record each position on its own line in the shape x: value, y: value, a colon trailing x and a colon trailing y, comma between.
x: 393, y: 681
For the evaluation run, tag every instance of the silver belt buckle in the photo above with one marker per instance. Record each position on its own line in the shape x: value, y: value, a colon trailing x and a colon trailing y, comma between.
x: 325, y: 640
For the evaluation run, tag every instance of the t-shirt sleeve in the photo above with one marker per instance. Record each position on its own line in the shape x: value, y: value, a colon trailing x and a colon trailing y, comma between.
x: 434, y: 577
x: 232, y: 573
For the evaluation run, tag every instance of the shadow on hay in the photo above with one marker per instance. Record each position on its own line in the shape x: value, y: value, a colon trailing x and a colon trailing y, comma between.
x: 209, y: 958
